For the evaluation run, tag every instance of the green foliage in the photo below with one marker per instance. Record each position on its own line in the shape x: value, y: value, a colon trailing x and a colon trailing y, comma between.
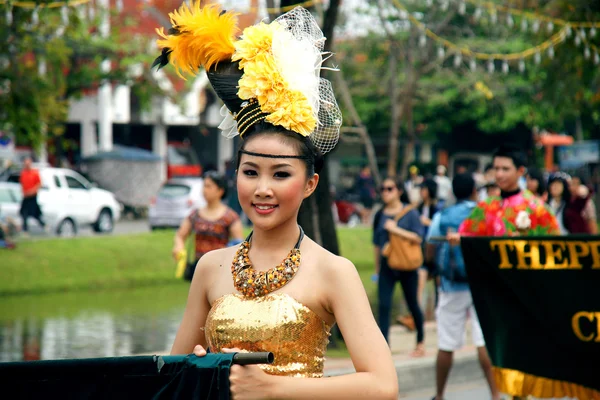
x: 549, y: 95
x: 34, y: 101
x: 109, y: 262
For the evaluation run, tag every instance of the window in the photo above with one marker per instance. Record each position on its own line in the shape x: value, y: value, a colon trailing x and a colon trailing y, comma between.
x: 73, y: 183
x: 181, y: 156
x: 57, y: 181
x: 170, y: 190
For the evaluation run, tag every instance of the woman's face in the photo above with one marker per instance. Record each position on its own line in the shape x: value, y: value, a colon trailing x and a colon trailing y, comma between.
x: 271, y: 190
x: 532, y: 184
x: 389, y: 191
x: 211, y: 191
x: 556, y: 189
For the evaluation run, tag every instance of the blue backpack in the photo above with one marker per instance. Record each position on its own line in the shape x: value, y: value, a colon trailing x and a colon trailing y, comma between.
x: 450, y: 258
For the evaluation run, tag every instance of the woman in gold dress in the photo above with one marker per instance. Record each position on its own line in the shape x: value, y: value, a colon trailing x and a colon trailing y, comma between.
x: 245, y: 298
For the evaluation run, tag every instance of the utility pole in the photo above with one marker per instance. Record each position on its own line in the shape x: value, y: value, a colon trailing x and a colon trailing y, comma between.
x: 105, y: 115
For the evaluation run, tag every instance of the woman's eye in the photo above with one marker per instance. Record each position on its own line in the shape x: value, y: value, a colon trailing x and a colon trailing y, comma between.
x: 282, y: 174
x: 250, y: 172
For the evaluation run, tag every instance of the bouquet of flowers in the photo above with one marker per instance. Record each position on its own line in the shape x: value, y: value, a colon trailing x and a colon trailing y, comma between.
x: 519, y: 215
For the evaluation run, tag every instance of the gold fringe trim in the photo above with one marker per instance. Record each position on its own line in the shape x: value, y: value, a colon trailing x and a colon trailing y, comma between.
x: 517, y: 383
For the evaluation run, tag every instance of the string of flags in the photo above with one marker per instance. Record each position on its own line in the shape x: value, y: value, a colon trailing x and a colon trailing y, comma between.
x: 560, y: 30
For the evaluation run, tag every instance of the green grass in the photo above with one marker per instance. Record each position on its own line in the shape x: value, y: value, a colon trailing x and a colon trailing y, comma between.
x: 111, y: 262
x: 87, y: 263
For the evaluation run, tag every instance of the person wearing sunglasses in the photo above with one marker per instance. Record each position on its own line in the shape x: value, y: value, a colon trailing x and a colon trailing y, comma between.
x: 410, y: 228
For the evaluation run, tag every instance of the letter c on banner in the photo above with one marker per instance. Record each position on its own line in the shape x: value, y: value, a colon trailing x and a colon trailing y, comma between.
x: 577, y: 328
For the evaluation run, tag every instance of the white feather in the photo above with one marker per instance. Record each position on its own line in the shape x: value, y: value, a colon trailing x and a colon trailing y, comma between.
x: 299, y: 62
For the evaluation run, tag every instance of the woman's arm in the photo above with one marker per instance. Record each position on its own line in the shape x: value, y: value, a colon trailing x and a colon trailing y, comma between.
x: 579, y: 201
x: 391, y: 227
x: 191, y: 330
x: 375, y: 376
x: 180, y: 236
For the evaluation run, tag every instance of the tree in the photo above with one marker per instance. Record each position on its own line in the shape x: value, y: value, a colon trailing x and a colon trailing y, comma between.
x: 428, y: 92
x: 315, y: 214
x: 47, y: 64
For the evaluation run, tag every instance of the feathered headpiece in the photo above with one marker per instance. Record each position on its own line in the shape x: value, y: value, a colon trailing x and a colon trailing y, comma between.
x: 271, y: 73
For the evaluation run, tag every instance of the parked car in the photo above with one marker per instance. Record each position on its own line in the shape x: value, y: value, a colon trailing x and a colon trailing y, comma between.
x: 10, y: 201
x: 175, y: 201
x: 69, y: 201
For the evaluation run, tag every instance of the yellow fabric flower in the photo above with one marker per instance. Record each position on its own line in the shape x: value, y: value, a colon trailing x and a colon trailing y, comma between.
x: 256, y: 40
x: 262, y: 81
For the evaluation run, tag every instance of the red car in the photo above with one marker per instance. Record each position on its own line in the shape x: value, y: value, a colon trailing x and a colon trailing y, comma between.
x: 182, y: 161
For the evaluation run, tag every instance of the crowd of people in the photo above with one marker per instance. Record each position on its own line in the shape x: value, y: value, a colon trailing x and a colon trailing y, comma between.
x: 441, y: 212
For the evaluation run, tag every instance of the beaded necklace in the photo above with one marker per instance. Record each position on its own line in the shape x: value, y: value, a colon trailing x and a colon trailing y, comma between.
x: 253, y: 283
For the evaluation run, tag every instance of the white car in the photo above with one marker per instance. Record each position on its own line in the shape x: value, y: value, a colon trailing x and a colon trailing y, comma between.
x: 175, y: 201
x: 69, y: 201
x: 10, y: 202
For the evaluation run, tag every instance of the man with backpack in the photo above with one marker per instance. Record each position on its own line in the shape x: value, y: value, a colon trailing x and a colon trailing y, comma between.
x: 455, y: 303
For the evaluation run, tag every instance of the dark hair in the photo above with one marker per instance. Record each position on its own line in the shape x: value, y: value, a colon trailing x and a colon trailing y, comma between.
x: 308, y: 153
x: 218, y: 179
x: 489, y: 167
x: 513, y: 152
x: 463, y: 186
x: 537, y: 175
x: 431, y: 187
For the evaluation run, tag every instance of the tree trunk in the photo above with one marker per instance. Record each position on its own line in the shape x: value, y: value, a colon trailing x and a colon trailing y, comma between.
x: 393, y: 142
x: 578, y: 128
x: 342, y: 88
x: 409, y: 147
x: 272, y: 13
x: 315, y: 214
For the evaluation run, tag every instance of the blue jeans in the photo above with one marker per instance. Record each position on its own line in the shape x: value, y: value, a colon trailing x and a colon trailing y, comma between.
x: 385, y: 293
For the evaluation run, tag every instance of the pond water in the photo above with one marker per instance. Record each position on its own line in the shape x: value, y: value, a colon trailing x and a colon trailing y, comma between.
x: 91, y: 324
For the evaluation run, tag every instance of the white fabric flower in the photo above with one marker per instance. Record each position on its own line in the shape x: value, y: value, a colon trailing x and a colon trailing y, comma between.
x: 523, y: 221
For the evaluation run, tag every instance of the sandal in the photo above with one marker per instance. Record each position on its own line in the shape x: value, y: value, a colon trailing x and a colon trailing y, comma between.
x: 419, y: 351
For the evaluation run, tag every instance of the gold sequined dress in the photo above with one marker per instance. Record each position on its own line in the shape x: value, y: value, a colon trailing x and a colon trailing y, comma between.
x: 278, y: 323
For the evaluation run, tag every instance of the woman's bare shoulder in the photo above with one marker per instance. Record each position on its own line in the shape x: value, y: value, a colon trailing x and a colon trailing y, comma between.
x: 215, y: 259
x: 328, y: 262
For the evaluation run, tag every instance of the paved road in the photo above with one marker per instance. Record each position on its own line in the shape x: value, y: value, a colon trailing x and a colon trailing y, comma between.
x: 123, y: 227
x: 469, y: 391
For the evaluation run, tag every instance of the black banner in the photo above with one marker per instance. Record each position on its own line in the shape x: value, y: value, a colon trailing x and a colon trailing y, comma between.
x: 146, y: 377
x: 538, y: 302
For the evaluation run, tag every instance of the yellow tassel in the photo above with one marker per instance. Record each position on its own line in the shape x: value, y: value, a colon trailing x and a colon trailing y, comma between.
x: 199, y: 37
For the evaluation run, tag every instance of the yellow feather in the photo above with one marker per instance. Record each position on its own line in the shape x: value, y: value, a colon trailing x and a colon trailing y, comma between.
x: 205, y: 37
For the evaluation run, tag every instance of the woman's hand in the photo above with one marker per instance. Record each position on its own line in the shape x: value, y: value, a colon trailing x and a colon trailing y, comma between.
x: 389, y: 225
x: 583, y: 191
x: 247, y: 382
x: 177, y: 252
x: 199, y: 351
